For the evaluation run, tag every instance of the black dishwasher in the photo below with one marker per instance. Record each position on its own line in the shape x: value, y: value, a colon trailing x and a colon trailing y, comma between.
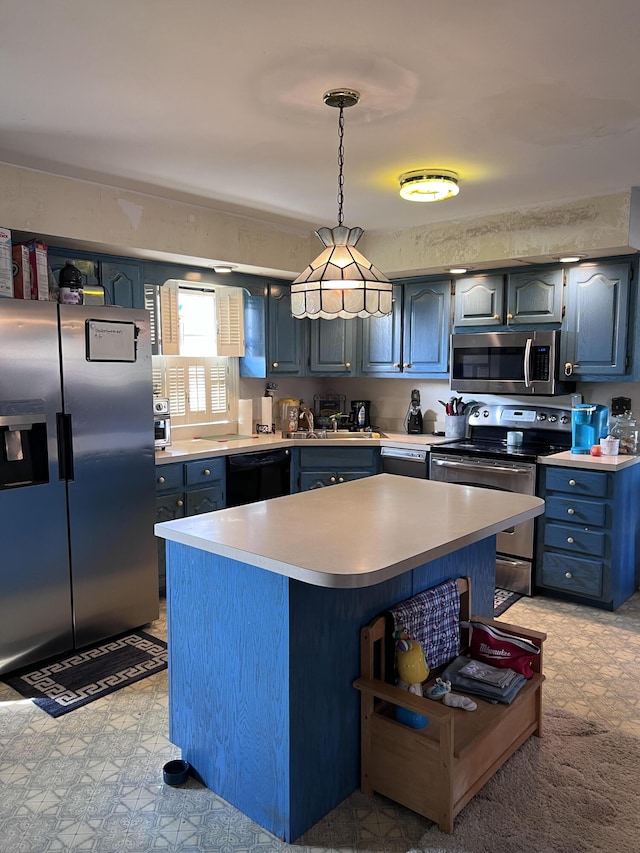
x: 258, y: 476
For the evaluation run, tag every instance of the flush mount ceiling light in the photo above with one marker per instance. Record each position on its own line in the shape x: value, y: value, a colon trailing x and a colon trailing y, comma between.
x: 341, y: 282
x: 223, y: 269
x: 428, y: 185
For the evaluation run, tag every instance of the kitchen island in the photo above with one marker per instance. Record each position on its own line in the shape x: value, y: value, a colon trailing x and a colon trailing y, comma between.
x: 265, y: 603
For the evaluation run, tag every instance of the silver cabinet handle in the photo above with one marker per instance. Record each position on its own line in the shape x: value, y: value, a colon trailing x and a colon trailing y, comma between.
x: 332, y: 479
x: 347, y: 365
x: 275, y: 364
x: 407, y: 364
x: 569, y: 368
x: 179, y: 503
x: 206, y: 472
x: 341, y: 479
x: 570, y: 540
x: 571, y: 511
x: 568, y: 575
x: 396, y: 364
x: 161, y: 479
x: 572, y: 482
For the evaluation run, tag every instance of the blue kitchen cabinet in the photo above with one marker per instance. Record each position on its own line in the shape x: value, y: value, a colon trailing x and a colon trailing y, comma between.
x: 381, y: 341
x: 121, y: 278
x: 426, y: 319
x: 275, y: 342
x: 479, y: 300
x: 332, y: 347
x: 595, y: 339
x: 184, y: 489
x: 318, y: 467
x: 534, y: 297
x: 509, y: 299
x: 587, y: 549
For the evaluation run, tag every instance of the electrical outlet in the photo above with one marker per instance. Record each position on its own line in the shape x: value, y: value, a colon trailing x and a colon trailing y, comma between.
x: 576, y: 400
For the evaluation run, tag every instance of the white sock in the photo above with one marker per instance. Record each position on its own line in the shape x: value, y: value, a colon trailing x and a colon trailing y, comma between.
x: 455, y: 701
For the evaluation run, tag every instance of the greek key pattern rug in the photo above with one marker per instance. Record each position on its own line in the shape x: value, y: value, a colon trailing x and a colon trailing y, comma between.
x: 503, y: 599
x: 66, y: 683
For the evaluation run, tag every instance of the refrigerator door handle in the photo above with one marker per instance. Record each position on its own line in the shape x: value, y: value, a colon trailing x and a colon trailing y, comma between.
x: 65, y: 446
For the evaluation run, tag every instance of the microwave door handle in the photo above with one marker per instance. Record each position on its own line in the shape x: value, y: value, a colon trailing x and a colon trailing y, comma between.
x: 527, y: 362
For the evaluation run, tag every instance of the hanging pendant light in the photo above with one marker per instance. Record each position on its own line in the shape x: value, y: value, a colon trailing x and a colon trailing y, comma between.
x: 341, y: 282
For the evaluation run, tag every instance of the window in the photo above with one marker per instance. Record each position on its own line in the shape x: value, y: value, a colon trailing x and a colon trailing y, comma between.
x: 199, y: 330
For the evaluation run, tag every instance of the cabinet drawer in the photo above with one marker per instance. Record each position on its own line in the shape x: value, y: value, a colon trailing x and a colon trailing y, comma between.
x: 573, y: 574
x: 577, y: 482
x: 326, y: 457
x: 576, y: 539
x: 205, y: 500
x: 169, y: 507
x: 204, y: 471
x: 587, y: 513
x: 168, y: 477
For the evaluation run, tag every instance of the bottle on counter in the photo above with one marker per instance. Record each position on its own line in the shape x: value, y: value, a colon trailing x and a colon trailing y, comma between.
x: 71, y: 286
x: 625, y: 429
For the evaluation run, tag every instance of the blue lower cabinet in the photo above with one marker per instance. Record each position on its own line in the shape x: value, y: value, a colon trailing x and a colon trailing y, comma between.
x: 318, y: 467
x: 187, y: 488
x: 587, y: 548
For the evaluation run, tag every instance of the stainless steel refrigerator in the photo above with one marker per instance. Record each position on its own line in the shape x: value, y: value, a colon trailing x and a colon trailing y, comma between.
x: 78, y: 560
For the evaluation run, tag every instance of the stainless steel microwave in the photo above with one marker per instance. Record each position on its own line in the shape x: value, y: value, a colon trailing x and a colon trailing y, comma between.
x: 508, y: 363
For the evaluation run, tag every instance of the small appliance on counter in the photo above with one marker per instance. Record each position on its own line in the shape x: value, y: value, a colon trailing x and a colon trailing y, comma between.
x: 360, y: 415
x: 162, y: 422
x: 414, y: 414
x: 589, y: 423
x: 327, y: 407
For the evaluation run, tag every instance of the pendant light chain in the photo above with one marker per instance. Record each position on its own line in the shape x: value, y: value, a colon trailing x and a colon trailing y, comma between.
x: 340, y: 162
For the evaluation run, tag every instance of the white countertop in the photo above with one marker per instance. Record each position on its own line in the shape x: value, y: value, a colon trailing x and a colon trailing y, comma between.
x: 199, y: 448
x: 355, y: 534
x: 586, y: 461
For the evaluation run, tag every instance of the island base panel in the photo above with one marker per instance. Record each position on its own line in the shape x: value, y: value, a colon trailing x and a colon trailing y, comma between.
x: 261, y: 671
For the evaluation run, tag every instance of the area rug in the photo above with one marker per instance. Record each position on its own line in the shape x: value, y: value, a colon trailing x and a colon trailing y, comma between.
x: 575, y: 790
x: 503, y: 599
x: 66, y: 683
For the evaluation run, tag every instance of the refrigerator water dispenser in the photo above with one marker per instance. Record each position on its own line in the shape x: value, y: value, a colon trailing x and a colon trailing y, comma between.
x: 23, y: 449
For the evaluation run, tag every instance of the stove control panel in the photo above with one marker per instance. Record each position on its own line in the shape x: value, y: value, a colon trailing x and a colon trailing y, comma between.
x: 523, y: 417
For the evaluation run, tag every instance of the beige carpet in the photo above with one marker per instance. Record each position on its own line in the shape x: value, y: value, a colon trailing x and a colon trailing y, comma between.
x: 575, y: 790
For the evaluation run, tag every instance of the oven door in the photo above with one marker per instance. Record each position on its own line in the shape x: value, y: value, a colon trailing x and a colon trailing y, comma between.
x: 503, y: 476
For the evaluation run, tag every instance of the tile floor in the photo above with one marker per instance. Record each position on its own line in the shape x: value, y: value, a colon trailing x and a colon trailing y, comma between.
x: 92, y: 780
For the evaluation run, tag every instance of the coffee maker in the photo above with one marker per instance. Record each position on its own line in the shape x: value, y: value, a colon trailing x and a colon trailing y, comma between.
x: 360, y: 415
x: 414, y: 415
x: 589, y: 423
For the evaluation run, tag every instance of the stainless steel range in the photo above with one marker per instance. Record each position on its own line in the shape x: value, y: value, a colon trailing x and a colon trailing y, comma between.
x: 504, y: 444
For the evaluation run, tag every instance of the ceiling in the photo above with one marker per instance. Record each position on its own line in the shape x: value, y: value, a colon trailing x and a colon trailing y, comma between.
x: 220, y: 103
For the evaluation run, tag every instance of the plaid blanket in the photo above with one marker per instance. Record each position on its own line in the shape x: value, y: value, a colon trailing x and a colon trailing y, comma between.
x: 432, y: 618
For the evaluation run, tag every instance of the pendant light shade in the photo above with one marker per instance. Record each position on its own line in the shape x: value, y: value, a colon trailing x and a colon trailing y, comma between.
x: 341, y: 282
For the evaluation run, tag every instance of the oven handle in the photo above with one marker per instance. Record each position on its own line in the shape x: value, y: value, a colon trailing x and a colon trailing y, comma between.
x: 445, y: 463
x: 527, y: 365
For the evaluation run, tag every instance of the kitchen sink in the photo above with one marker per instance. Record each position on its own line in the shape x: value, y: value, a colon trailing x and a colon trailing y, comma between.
x: 330, y: 435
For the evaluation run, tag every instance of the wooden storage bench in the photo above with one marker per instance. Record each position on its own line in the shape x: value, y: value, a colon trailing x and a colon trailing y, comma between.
x: 436, y: 770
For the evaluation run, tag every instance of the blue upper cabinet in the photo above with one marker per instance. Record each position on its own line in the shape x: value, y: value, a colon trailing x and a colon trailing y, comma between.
x: 479, y: 301
x: 534, y: 297
x: 519, y: 298
x: 426, y: 318
x: 123, y: 283
x: 381, y: 345
x: 414, y: 339
x: 121, y: 278
x: 285, y: 335
x: 595, y: 331
x: 332, y: 347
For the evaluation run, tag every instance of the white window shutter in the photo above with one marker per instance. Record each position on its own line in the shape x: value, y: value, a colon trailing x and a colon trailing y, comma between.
x: 230, y: 313
x: 170, y: 335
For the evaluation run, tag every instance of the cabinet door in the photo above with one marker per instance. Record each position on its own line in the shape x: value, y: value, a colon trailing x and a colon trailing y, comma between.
x: 285, y: 334
x: 205, y: 500
x: 122, y: 282
x: 170, y: 507
x: 381, y: 341
x: 425, y: 336
x: 594, y: 334
x: 479, y: 301
x: 535, y: 296
x: 333, y: 347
